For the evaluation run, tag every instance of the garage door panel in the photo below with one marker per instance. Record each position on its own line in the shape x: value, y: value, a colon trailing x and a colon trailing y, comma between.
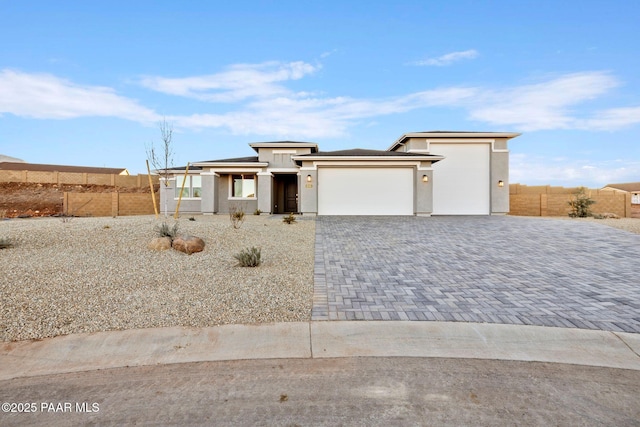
x: 365, y: 191
x: 461, y: 180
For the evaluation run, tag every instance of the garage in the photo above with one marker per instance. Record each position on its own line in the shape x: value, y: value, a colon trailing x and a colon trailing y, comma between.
x: 462, y: 181
x: 365, y: 191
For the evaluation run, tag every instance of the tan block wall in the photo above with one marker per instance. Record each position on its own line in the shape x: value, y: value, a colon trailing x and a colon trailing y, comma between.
x: 129, y: 181
x: 69, y: 177
x: 554, y: 201
x: 13, y: 176
x: 88, y: 204
x: 108, y: 204
x: 136, y: 203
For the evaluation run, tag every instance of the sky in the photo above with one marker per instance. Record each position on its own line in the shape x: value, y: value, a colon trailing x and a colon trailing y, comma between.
x: 87, y: 83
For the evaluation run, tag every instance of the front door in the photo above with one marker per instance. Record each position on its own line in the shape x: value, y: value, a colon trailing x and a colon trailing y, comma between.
x: 286, y: 199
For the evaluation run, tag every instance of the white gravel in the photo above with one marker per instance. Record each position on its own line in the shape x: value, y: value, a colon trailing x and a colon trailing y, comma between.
x: 96, y: 274
x: 631, y: 225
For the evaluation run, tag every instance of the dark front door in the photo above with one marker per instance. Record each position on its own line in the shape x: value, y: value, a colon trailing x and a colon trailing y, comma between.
x: 286, y: 199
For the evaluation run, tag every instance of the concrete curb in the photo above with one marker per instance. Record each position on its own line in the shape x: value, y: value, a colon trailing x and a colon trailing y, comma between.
x: 104, y: 350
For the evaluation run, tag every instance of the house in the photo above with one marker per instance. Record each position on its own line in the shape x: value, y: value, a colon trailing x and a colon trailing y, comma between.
x: 632, y: 188
x: 37, y: 167
x: 421, y: 173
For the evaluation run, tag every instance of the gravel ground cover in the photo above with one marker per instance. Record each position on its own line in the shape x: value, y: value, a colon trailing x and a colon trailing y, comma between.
x: 631, y: 225
x: 96, y: 274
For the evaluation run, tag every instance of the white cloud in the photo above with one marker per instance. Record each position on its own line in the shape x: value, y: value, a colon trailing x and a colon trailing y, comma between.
x: 541, y: 106
x: 615, y: 118
x: 448, y: 58
x: 44, y: 96
x: 318, y: 117
x: 534, y: 170
x: 237, y: 83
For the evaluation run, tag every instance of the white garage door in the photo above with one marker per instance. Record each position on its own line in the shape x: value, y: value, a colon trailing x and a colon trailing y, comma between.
x: 461, y: 180
x: 365, y: 191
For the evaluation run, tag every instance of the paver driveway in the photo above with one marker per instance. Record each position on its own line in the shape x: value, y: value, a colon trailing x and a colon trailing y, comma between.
x: 477, y: 269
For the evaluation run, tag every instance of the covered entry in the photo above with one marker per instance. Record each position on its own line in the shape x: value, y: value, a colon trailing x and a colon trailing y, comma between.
x: 285, y: 195
x: 365, y: 191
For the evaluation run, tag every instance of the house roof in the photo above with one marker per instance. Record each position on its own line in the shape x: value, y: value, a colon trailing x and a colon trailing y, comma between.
x: 451, y: 134
x: 250, y: 159
x: 19, y: 166
x: 284, y: 144
x: 360, y: 154
x: 631, y: 187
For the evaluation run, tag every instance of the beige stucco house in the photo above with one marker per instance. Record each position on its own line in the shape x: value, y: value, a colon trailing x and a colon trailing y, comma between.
x: 421, y: 173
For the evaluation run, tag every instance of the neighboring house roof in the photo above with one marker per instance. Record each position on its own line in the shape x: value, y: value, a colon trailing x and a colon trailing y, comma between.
x: 450, y: 134
x: 17, y: 166
x: 631, y: 187
x: 284, y: 144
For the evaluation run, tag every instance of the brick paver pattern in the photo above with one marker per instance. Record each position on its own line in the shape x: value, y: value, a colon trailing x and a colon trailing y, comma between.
x: 492, y: 269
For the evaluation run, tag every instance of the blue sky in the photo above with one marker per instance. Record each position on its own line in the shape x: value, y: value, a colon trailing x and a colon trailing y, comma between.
x: 87, y: 82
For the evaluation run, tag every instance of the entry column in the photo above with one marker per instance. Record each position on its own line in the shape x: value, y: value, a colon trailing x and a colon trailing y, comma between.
x: 265, y: 191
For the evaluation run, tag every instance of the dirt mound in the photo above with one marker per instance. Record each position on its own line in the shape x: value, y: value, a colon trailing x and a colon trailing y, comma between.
x: 31, y: 199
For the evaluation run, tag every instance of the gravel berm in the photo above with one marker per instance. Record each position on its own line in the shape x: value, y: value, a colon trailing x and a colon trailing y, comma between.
x: 96, y: 274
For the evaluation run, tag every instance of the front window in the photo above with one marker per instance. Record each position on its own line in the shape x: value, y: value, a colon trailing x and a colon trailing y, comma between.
x: 192, y: 187
x: 243, y: 186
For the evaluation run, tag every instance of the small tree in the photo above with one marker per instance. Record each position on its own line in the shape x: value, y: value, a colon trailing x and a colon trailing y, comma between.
x: 162, y: 158
x: 581, y: 204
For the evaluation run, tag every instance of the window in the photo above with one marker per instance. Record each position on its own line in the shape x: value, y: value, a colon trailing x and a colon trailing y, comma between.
x: 243, y: 186
x: 635, y: 199
x: 192, y: 187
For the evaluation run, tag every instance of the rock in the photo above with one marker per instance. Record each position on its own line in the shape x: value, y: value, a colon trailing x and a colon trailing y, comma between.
x: 160, y: 244
x: 188, y: 244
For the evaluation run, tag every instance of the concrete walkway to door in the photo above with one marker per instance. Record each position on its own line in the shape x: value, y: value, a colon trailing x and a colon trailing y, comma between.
x: 487, y: 269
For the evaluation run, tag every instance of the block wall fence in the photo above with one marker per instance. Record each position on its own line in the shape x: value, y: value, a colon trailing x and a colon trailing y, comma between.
x: 77, y: 178
x: 545, y: 200
x: 109, y: 204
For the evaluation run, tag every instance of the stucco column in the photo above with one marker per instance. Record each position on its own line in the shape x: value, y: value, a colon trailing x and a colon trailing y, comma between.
x: 424, y: 190
x: 499, y: 172
x: 208, y: 205
x: 308, y: 191
x: 265, y: 192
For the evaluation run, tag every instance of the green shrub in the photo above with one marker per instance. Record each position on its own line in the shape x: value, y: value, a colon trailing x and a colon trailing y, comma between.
x: 192, y: 218
x: 581, y: 204
x: 257, y: 212
x: 289, y: 219
x: 249, y: 257
x: 5, y: 243
x: 164, y: 230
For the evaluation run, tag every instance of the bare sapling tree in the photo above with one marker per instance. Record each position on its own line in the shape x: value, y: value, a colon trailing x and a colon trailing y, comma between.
x: 161, y: 158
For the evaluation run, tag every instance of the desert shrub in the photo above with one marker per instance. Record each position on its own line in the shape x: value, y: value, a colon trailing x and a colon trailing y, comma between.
x: 164, y: 230
x: 249, y: 257
x: 5, y: 243
x: 580, y: 204
x: 236, y: 215
x: 257, y: 212
x: 3, y: 213
x: 192, y: 218
x: 289, y: 219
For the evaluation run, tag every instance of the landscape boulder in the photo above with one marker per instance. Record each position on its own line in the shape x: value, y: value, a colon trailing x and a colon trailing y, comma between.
x: 160, y: 244
x: 188, y: 244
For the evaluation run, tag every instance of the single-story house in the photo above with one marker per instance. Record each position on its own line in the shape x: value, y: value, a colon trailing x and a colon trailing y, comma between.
x: 632, y: 188
x: 421, y: 173
x: 628, y: 187
x: 39, y: 167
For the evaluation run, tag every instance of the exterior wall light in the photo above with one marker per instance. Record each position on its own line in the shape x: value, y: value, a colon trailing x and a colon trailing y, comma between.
x: 425, y: 178
x: 308, y: 178
x: 501, y: 183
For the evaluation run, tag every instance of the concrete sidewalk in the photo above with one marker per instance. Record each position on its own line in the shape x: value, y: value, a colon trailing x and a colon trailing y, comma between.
x: 143, y: 347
